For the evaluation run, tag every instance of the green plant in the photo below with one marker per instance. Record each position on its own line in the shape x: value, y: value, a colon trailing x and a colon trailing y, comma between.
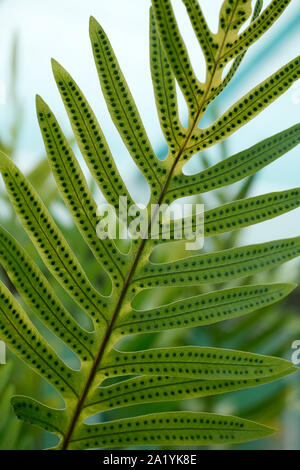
x: 161, y: 374
x: 12, y: 435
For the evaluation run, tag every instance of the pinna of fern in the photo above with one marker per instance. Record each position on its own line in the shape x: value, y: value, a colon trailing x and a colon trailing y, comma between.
x: 160, y: 374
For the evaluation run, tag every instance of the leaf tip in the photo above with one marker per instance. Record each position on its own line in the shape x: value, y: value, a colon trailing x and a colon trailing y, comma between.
x: 289, y: 287
x: 93, y: 24
x: 41, y: 105
x: 54, y: 64
x: 57, y: 69
x: 38, y: 99
x: 268, y: 430
x: 5, y: 161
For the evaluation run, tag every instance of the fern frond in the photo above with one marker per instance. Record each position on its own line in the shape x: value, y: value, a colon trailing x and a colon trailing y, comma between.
x: 177, y: 54
x: 90, y: 139
x: 165, y: 91
x: 122, y: 108
x: 205, y: 37
x: 235, y: 168
x: 33, y: 412
x: 24, y: 339
x: 49, y: 241
x: 231, y: 216
x: 202, y: 310
x: 169, y: 428
x: 236, y: 63
x: 250, y: 211
x: 160, y: 389
x: 163, y: 373
x: 75, y: 192
x: 245, y: 109
x: 216, y: 267
x: 254, y: 30
x: 39, y: 295
x: 192, y: 361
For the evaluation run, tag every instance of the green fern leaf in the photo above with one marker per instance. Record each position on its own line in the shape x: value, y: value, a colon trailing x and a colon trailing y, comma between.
x: 75, y: 192
x: 169, y: 428
x: 165, y: 91
x: 202, y: 310
x: 231, y: 216
x: 254, y: 30
x: 246, y: 108
x: 36, y: 413
x: 236, y: 63
x: 24, y: 339
x: 235, y: 168
x: 90, y: 138
x: 192, y: 361
x: 250, y: 211
x: 39, y: 295
x: 217, y: 267
x: 122, y: 108
x: 177, y: 54
x: 165, y: 373
x: 159, y: 389
x: 11, y: 430
x: 49, y: 241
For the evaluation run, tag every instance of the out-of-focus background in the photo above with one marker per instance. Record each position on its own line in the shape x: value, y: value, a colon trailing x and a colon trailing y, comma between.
x: 31, y: 32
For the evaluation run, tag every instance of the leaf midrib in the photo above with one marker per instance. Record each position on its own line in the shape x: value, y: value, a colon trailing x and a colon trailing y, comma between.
x: 184, y: 363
